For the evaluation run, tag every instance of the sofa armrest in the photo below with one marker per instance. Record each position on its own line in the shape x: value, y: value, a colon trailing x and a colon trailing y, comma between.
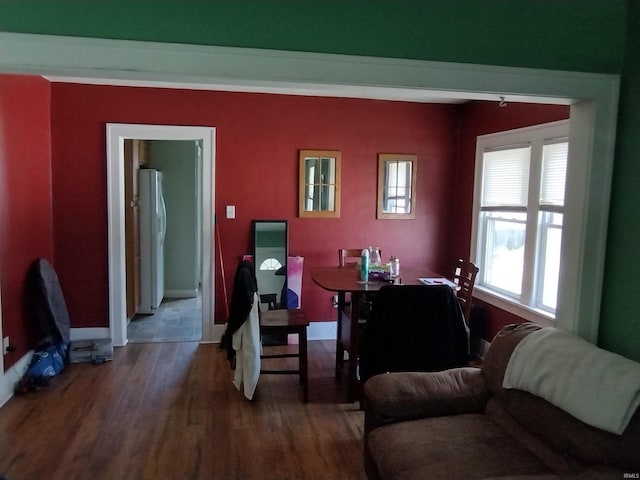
x: 403, y: 396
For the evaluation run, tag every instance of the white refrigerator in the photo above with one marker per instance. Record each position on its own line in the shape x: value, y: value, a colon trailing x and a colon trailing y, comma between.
x: 153, y: 228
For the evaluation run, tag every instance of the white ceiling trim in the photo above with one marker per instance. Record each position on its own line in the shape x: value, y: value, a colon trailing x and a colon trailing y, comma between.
x: 154, y: 64
x: 342, y: 91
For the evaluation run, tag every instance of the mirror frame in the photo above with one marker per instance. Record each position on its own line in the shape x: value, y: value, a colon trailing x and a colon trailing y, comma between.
x: 383, y: 158
x: 254, y: 232
x: 302, y: 211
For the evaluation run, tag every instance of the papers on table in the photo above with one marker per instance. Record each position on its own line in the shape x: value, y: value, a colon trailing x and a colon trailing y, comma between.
x: 438, y: 281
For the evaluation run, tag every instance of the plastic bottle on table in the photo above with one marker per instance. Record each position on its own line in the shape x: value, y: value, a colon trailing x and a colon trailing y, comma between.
x: 395, y: 266
x: 374, y: 256
x: 364, y: 265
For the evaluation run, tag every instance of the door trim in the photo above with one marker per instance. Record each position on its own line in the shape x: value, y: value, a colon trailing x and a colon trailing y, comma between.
x: 116, y: 134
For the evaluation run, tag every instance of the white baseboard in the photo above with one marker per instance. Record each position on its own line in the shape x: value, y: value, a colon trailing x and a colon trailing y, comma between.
x: 9, y: 379
x: 322, y: 331
x: 317, y: 331
x: 216, y: 333
x: 88, y: 333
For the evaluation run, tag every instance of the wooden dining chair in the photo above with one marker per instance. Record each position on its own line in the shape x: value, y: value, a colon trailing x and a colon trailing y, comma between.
x: 292, y: 321
x: 352, y: 256
x: 464, y: 276
x: 349, y: 257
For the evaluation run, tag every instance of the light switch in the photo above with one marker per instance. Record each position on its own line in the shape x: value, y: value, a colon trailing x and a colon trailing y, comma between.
x: 231, y: 211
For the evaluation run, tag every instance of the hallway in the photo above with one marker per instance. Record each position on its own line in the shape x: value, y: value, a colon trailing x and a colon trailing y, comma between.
x: 177, y: 320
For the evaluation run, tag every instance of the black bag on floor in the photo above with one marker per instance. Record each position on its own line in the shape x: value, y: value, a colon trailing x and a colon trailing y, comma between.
x: 53, y: 323
x: 50, y: 308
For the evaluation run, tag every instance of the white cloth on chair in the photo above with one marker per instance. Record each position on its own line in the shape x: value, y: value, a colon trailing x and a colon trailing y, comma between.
x: 246, y: 343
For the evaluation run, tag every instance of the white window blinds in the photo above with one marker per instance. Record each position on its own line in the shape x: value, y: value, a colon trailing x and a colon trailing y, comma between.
x: 554, y: 169
x: 505, y: 177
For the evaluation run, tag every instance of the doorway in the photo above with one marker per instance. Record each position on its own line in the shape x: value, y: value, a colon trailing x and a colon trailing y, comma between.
x: 176, y: 314
x: 116, y: 135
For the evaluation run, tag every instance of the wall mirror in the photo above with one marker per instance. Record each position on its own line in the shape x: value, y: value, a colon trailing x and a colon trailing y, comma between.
x: 319, y: 186
x: 270, y: 251
x: 397, y: 185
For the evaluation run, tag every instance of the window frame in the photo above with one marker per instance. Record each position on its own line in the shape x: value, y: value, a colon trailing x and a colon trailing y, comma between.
x: 537, y: 136
x: 334, y: 186
x: 384, y: 186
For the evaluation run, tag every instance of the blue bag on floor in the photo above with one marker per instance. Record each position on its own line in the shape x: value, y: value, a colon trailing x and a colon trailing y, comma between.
x: 44, y: 365
x: 48, y: 362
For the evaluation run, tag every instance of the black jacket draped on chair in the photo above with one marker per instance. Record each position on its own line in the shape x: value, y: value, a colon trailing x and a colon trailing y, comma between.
x: 414, y: 328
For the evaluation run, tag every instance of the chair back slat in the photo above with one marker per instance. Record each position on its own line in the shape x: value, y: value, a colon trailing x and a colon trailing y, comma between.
x: 465, y: 277
x: 351, y: 256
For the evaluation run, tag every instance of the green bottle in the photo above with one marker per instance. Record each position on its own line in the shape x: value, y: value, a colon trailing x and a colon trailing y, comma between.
x: 364, y: 265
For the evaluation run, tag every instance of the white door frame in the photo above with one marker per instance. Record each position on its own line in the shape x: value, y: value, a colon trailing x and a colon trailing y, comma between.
x: 117, y: 133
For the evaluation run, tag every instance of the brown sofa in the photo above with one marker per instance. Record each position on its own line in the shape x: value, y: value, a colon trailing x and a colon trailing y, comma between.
x: 462, y: 424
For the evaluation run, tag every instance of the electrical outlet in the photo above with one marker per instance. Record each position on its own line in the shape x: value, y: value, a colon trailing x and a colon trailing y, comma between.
x: 5, y: 345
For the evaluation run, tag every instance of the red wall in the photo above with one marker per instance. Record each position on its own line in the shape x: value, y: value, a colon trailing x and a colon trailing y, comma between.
x: 480, y: 118
x: 52, y: 146
x: 258, y: 138
x: 26, y: 229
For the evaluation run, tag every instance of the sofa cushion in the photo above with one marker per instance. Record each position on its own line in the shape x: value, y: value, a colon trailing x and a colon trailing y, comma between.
x: 406, y: 395
x: 461, y: 446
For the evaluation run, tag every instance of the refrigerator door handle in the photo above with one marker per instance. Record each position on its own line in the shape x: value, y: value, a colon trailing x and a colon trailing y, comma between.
x: 163, y: 218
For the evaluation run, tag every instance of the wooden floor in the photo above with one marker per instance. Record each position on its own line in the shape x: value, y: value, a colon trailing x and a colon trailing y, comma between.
x: 170, y: 411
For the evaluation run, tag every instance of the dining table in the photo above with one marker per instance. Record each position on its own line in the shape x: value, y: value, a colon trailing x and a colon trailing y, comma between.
x: 346, y: 282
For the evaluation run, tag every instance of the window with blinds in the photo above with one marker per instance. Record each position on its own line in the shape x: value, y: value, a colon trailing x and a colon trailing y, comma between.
x: 520, y: 207
x: 505, y: 178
